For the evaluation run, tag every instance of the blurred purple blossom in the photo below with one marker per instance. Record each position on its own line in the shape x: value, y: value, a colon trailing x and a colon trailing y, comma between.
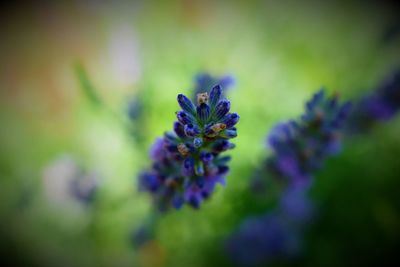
x: 300, y: 148
x: 380, y: 105
x: 204, y: 81
x: 65, y: 182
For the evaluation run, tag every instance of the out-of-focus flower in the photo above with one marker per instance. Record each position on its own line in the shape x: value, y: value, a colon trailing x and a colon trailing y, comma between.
x: 275, y: 235
x: 301, y: 146
x: 381, y: 105
x: 204, y: 81
x: 84, y: 187
x: 260, y: 240
x: 299, y: 150
x: 64, y: 181
x: 187, y: 163
x: 295, y: 205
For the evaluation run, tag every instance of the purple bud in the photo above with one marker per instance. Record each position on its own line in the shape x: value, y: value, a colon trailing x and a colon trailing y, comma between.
x: 157, y: 149
x: 195, y: 201
x: 215, y: 95
x: 223, y: 170
x: 178, y: 201
x: 188, y: 167
x: 229, y: 133
x: 222, y: 145
x: 184, y: 118
x: 179, y: 129
x: 148, y: 182
x: 317, y: 97
x: 203, y: 112
x: 193, y: 196
x: 206, y: 157
x: 205, y: 193
x: 222, y: 109
x: 186, y: 104
x: 230, y: 120
x: 191, y: 130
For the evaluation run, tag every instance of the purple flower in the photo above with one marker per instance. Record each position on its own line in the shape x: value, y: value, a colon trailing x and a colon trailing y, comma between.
x: 275, y: 235
x: 157, y: 149
x: 300, y: 147
x: 295, y: 205
x: 187, y: 163
x: 260, y: 240
x: 380, y: 105
x: 378, y: 108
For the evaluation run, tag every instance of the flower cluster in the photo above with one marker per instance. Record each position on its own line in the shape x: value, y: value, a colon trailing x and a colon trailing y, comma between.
x: 204, y: 80
x: 66, y: 181
x: 300, y: 147
x: 275, y: 235
x: 187, y: 163
x: 84, y: 188
x: 380, y: 105
x: 259, y: 239
x: 299, y: 150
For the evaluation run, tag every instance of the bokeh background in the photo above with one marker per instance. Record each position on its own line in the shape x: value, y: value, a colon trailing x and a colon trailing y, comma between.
x: 71, y: 77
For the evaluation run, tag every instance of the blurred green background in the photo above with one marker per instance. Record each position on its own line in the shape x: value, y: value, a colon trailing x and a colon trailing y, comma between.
x: 280, y: 52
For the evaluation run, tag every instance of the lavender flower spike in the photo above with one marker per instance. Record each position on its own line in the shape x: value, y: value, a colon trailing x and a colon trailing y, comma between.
x: 187, y: 163
x: 301, y: 146
x: 299, y: 150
